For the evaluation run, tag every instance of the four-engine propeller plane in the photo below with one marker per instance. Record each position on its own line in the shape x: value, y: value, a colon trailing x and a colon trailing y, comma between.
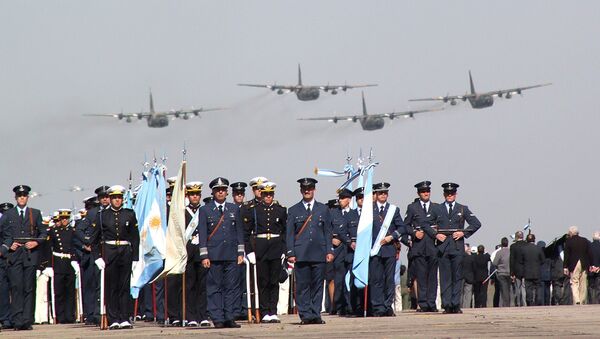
x: 158, y: 119
x: 481, y: 100
x: 371, y: 122
x: 306, y: 92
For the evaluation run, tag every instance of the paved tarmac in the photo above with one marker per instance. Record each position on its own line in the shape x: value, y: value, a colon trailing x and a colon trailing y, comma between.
x: 555, y: 321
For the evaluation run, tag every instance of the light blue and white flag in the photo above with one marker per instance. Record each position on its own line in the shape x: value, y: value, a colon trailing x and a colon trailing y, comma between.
x: 150, y: 210
x: 364, y: 235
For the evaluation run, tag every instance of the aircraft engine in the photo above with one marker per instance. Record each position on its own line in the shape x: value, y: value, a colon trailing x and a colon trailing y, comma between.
x: 464, y: 98
x: 334, y: 92
x: 445, y: 99
x: 519, y: 91
x: 176, y: 114
x: 392, y: 117
x: 280, y: 91
x: 196, y: 113
x: 128, y: 119
x: 354, y: 119
x: 508, y: 95
x: 453, y: 102
x: 139, y: 116
x: 500, y: 94
x: 185, y: 116
x: 120, y: 116
x: 335, y: 120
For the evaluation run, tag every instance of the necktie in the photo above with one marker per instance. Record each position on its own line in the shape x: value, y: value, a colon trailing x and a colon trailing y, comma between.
x: 308, y: 208
x: 450, y: 209
x: 381, y: 210
x: 425, y: 208
x: 359, y: 211
x: 221, y: 209
x: 22, y: 215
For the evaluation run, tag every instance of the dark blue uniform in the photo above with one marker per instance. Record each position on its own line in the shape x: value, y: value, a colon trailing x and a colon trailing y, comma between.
x: 451, y: 252
x: 340, y: 232
x: 5, y: 243
x: 195, y: 276
x: 383, y: 265
x: 63, y: 252
x: 422, y: 255
x: 90, y: 274
x: 353, y: 299
x: 23, y: 262
x: 223, y: 248
x: 310, y: 248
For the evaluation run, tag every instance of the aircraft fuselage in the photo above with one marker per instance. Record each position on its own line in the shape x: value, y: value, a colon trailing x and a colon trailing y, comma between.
x: 372, y: 123
x: 158, y: 121
x: 308, y: 93
x: 482, y: 101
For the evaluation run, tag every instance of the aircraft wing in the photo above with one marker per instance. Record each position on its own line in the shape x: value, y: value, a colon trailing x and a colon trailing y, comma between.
x: 344, y: 87
x: 184, y: 113
x: 357, y: 117
x: 445, y: 98
x: 121, y: 116
x: 516, y: 90
x: 406, y: 114
x: 353, y: 118
x: 273, y: 87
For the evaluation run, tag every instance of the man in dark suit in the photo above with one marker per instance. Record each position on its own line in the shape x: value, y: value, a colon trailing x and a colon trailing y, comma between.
x: 576, y: 264
x: 5, y: 243
x: 480, y: 273
x: 422, y: 253
x: 516, y: 269
x: 221, y: 241
x: 446, y: 223
x: 388, y: 228
x: 531, y: 257
x: 27, y: 234
x: 309, y: 248
x: 594, y: 275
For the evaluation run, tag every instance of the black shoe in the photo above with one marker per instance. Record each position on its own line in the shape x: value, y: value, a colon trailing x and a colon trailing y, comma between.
x: 458, y: 310
x: 218, y: 325
x: 424, y: 309
x: 318, y: 321
x: 447, y: 310
x: 231, y: 324
x: 306, y: 321
x: 433, y: 310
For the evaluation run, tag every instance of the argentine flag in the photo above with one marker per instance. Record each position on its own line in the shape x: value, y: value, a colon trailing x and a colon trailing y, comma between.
x: 364, y: 238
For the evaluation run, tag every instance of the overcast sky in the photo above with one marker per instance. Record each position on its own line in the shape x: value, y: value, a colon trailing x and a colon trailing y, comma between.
x: 534, y: 156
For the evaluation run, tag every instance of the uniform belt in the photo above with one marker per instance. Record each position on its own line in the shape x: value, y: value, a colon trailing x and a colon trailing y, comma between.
x: 61, y: 255
x: 117, y: 242
x: 267, y: 235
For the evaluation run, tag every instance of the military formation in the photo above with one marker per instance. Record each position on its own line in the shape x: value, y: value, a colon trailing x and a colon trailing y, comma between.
x: 72, y: 268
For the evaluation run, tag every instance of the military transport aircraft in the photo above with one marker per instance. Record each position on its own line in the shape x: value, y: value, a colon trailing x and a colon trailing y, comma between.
x: 480, y: 100
x: 371, y: 122
x: 158, y: 119
x: 306, y: 92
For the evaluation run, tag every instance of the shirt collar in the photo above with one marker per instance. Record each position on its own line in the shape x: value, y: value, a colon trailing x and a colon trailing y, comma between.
x: 346, y: 210
x: 312, y: 203
x: 19, y: 209
x: 379, y: 205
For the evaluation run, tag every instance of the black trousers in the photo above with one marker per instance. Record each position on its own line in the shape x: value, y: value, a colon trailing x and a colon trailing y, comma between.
x: 64, y: 291
x: 4, y: 294
x: 90, y: 291
x: 267, y: 272
x: 21, y: 275
x: 425, y: 268
x: 503, y: 285
x: 117, y: 282
x: 309, y: 289
x: 195, y: 296
x: 451, y: 279
x: 174, y: 297
x: 531, y: 289
x: 381, y: 284
x: 480, y: 294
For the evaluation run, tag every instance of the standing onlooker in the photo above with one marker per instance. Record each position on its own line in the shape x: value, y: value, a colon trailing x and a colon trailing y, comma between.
x: 577, y: 261
x: 468, y: 276
x: 531, y: 259
x: 480, y: 273
x: 543, y: 293
x: 502, y: 263
x: 594, y: 275
x: 516, y: 270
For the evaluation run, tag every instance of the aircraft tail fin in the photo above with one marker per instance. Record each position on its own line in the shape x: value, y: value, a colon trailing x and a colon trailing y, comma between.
x: 471, y: 83
x: 364, y: 104
x: 299, y: 75
x: 151, y: 103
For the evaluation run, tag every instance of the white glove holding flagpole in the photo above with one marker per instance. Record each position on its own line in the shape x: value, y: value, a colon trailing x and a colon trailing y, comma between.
x: 133, y: 265
x: 100, y: 263
x: 75, y: 266
x: 49, y: 272
x: 251, y: 258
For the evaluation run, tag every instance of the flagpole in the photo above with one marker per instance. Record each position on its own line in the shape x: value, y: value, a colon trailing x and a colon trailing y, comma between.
x: 183, y: 175
x: 366, y: 305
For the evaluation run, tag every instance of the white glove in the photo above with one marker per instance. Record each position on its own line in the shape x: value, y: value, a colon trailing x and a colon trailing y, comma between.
x: 195, y: 240
x: 38, y: 273
x: 100, y: 263
x: 282, y: 256
x: 75, y: 266
x: 251, y: 258
x: 49, y: 272
x: 133, y: 265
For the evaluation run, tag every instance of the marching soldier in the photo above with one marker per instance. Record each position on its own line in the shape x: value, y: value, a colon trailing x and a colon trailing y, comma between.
x: 422, y: 253
x: 44, y: 273
x: 195, y: 274
x: 341, y: 242
x: 27, y: 234
x: 89, y: 253
x: 309, y: 238
x: 388, y: 227
x: 352, y: 216
x: 117, y: 230
x: 446, y: 223
x: 64, y: 266
x: 238, y: 193
x: 5, y: 243
x: 266, y: 247
x: 221, y: 237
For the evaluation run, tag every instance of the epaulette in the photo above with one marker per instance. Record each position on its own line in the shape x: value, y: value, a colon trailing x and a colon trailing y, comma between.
x: 277, y: 203
x: 246, y: 203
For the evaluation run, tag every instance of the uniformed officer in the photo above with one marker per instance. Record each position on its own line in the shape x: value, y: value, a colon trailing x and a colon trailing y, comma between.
x: 27, y: 234
x: 359, y: 197
x: 353, y: 297
x: 221, y: 236
x: 341, y: 243
x: 195, y: 273
x: 266, y: 247
x: 422, y: 253
x: 64, y: 266
x: 5, y: 243
x: 451, y: 216
x: 44, y: 273
x: 309, y: 237
x: 117, y: 230
x: 383, y: 263
x: 238, y: 192
x: 89, y: 253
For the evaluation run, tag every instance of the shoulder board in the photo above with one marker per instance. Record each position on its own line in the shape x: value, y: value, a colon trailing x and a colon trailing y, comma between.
x: 246, y: 203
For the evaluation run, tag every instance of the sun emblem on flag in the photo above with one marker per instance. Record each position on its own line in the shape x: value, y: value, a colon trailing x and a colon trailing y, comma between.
x: 154, y: 222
